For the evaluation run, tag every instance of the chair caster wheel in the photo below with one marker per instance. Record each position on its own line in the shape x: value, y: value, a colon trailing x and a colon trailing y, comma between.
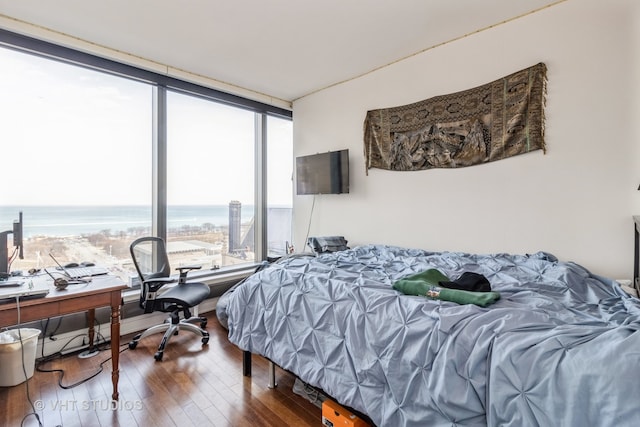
x: 133, y: 345
x: 205, y: 340
x: 158, y: 356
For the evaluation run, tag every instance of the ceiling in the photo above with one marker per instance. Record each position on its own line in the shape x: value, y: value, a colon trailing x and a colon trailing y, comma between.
x: 284, y: 49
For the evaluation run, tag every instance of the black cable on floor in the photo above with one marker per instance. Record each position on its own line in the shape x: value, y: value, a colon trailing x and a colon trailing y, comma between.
x: 84, y: 380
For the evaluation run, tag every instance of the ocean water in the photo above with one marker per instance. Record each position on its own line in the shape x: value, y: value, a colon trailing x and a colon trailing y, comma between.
x: 78, y: 220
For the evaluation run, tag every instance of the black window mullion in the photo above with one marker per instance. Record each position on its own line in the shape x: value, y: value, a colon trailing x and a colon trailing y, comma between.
x: 159, y: 166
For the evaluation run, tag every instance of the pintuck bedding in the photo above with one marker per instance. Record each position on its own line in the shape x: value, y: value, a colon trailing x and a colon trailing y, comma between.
x: 560, y: 347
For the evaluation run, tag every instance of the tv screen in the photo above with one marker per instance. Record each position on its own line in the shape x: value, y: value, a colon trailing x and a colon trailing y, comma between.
x: 323, y: 173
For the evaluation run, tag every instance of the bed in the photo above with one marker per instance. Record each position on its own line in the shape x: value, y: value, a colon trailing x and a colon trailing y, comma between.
x: 560, y: 347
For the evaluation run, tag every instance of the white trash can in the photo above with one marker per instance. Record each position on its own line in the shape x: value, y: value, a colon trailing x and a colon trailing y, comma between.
x: 11, y: 355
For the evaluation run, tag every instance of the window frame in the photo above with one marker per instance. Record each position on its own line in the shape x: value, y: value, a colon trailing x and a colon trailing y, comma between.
x: 161, y: 84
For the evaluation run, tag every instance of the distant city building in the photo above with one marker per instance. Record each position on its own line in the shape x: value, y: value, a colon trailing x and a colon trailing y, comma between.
x: 235, y: 239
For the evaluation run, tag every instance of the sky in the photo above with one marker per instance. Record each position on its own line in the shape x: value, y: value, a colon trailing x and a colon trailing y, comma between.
x: 69, y: 135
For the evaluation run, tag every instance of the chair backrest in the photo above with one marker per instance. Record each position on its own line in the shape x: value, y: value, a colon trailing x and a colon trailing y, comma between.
x: 149, y: 255
x: 150, y: 258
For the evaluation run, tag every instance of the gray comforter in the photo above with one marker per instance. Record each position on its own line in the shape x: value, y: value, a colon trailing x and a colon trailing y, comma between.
x: 560, y: 348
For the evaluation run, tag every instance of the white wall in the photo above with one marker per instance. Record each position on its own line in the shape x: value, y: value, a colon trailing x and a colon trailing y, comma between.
x: 575, y: 202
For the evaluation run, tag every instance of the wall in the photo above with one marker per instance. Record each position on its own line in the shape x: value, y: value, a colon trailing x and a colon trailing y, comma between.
x: 575, y: 202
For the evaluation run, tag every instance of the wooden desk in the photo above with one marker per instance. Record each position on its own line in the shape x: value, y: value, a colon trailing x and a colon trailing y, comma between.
x: 102, y: 291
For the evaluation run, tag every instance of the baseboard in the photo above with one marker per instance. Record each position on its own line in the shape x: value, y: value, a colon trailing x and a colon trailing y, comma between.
x: 77, y: 340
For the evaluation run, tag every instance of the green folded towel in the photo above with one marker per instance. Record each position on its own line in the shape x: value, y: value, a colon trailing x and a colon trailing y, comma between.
x: 426, y: 283
x: 482, y: 299
x: 420, y: 283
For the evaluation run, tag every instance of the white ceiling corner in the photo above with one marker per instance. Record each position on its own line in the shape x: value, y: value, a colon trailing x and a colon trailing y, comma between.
x: 280, y: 49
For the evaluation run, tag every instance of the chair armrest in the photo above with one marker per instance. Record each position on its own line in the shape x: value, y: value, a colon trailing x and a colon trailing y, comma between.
x: 184, y: 270
x: 149, y: 289
x: 158, y: 282
x: 188, y: 268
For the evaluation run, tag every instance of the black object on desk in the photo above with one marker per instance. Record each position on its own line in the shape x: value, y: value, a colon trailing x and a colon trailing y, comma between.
x: 10, y: 283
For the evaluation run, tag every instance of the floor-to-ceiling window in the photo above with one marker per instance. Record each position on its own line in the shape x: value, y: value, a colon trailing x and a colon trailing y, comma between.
x: 74, y: 159
x: 279, y: 154
x: 79, y: 149
x: 210, y: 181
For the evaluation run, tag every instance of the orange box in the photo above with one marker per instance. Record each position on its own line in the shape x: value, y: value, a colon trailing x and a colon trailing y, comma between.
x: 334, y: 415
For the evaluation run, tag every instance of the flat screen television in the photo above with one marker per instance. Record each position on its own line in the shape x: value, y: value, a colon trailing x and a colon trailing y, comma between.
x: 323, y: 173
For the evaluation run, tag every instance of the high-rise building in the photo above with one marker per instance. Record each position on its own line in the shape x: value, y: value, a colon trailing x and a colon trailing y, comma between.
x: 235, y: 239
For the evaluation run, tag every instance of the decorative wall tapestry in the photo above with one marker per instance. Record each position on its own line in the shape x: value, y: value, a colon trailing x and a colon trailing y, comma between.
x: 490, y: 122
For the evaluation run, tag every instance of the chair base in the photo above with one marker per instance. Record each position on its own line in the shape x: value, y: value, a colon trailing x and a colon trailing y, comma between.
x: 171, y: 328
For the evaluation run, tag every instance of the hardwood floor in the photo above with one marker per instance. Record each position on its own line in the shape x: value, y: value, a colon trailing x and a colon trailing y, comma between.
x: 192, y: 386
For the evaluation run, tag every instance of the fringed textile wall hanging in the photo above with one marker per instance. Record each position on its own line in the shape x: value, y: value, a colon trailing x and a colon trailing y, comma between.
x: 490, y: 122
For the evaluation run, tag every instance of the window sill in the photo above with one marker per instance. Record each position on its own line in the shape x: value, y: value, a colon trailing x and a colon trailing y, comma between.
x: 211, y: 277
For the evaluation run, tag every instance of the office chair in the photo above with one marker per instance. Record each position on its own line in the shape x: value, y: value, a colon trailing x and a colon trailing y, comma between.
x: 150, y: 258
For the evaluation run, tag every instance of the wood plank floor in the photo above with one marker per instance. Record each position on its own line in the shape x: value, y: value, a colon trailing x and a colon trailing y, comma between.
x: 192, y: 386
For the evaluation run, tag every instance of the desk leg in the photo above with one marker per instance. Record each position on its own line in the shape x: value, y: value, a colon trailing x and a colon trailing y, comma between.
x: 91, y: 318
x: 115, y: 342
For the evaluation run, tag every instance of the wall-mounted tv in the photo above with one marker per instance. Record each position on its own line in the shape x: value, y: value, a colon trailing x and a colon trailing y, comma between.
x: 323, y: 173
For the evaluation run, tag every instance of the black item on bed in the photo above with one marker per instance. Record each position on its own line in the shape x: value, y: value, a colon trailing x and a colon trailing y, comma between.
x: 468, y: 281
x: 320, y: 245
